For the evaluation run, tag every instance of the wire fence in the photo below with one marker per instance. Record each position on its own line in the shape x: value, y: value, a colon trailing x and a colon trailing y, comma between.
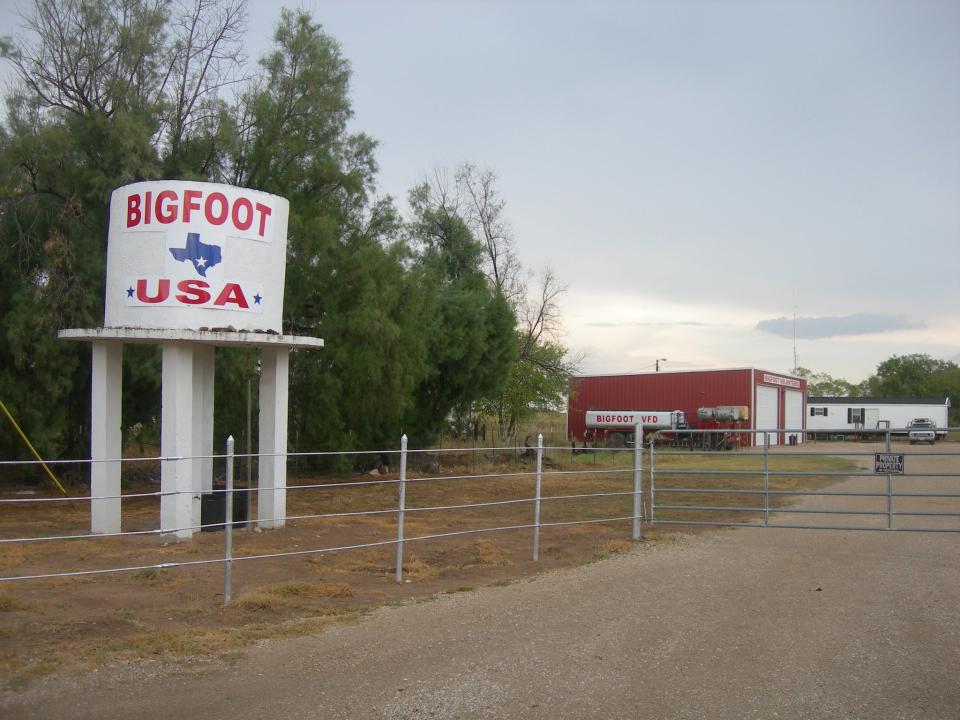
x: 492, y: 490
x: 521, y: 510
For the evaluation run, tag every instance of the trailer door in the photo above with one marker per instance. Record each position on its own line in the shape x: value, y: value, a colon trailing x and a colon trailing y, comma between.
x: 768, y: 412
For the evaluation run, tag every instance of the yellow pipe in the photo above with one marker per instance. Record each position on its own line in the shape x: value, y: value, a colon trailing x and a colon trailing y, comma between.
x: 32, y: 449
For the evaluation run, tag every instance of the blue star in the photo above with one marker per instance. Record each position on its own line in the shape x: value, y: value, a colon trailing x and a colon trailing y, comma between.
x: 257, y: 299
x: 129, y: 292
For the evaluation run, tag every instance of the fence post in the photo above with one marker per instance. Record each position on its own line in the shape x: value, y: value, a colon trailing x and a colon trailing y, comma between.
x: 249, y: 463
x: 536, y: 501
x: 766, y: 479
x: 228, y: 528
x: 401, y: 505
x: 637, y: 481
x: 650, y: 514
x: 889, y: 488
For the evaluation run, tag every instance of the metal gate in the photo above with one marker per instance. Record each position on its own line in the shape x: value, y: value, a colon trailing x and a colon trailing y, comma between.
x: 875, y: 480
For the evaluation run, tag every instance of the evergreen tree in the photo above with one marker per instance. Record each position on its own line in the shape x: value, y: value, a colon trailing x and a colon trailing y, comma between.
x: 471, y: 342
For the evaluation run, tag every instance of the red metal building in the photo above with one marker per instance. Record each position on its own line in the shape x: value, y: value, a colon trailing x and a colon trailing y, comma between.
x: 775, y: 401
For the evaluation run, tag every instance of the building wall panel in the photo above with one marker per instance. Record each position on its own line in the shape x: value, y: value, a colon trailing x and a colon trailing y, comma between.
x: 685, y: 391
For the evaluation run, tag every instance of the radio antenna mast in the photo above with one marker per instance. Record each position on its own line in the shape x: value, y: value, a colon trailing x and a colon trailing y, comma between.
x: 796, y: 360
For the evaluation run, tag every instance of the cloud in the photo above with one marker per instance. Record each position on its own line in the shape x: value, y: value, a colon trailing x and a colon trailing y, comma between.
x: 685, y: 323
x: 813, y: 328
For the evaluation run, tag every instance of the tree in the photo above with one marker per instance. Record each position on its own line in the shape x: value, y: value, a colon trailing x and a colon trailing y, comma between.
x: 470, y: 336
x: 539, y: 376
x: 484, y: 211
x: 825, y: 385
x: 205, y: 57
x: 370, y: 310
x: 917, y: 376
x: 79, y: 123
x: 346, y: 279
x: 914, y: 375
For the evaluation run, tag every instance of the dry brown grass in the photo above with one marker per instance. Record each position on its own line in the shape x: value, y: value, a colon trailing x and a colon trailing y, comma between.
x: 188, y: 641
x: 366, y: 562
x: 314, y: 590
x: 417, y: 569
x: 12, y: 555
x: 258, y: 599
x: 487, y: 552
x: 273, y: 597
x: 611, y: 547
x: 8, y: 603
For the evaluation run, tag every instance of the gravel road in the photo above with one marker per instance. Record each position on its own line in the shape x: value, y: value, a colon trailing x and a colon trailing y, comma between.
x: 730, y: 624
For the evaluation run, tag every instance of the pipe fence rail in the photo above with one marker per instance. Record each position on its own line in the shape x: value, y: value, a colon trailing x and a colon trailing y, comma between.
x: 768, y: 486
x: 778, y: 485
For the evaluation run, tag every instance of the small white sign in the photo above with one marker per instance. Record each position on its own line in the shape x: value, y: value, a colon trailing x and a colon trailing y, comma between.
x: 782, y: 381
x: 888, y: 463
x: 192, y: 255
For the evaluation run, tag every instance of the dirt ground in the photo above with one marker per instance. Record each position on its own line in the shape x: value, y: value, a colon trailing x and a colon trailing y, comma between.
x: 175, y: 616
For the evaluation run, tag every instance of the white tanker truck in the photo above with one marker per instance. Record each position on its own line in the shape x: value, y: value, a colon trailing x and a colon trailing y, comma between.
x: 616, y: 427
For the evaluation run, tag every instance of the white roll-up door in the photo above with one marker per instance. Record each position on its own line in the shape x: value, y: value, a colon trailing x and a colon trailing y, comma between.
x: 768, y: 412
x: 793, y: 413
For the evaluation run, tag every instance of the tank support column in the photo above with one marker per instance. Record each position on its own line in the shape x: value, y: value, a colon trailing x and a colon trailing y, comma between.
x: 178, y: 440
x: 105, y: 436
x: 272, y: 479
x: 203, y: 379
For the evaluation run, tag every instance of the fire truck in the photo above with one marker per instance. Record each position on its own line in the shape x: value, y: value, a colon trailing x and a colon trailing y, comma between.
x: 617, y: 428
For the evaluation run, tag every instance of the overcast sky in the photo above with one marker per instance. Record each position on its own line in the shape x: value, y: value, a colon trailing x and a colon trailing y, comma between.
x: 696, y: 173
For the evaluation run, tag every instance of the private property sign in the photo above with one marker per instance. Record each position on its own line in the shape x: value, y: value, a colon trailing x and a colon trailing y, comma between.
x: 888, y: 463
x: 192, y: 255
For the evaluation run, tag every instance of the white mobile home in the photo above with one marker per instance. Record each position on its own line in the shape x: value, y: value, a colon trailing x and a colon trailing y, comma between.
x: 840, y: 415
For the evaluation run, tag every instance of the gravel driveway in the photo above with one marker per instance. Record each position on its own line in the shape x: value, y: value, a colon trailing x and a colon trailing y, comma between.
x: 730, y: 624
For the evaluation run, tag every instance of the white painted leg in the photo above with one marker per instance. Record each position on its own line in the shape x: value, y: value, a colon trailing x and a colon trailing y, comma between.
x: 203, y: 378
x: 177, y: 440
x: 272, y: 483
x: 105, y: 436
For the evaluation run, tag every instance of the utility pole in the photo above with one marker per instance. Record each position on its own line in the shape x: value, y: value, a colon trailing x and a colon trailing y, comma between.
x: 796, y: 360
x: 658, y: 361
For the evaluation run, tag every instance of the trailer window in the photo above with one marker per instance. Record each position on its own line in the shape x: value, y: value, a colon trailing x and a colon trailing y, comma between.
x: 855, y: 415
x: 815, y: 411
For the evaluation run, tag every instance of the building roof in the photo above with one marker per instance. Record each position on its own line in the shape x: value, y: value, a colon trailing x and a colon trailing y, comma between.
x: 877, y: 401
x: 686, y: 371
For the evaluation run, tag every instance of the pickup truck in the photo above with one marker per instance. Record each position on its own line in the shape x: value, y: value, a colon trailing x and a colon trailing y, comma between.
x: 922, y: 430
